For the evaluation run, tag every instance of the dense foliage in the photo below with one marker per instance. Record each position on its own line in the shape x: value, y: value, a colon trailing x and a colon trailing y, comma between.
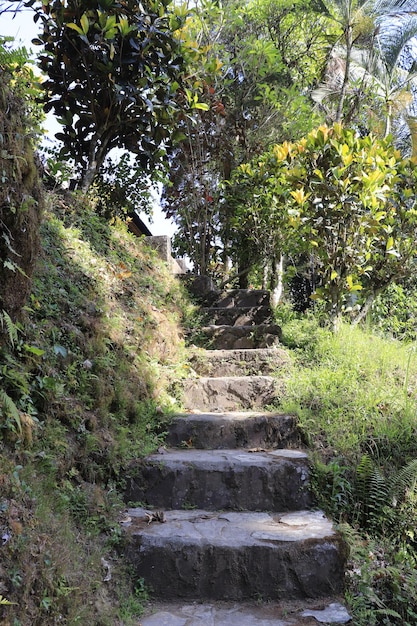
x: 21, y: 197
x: 113, y: 74
x: 346, y: 202
x: 258, y: 188
x: 86, y: 382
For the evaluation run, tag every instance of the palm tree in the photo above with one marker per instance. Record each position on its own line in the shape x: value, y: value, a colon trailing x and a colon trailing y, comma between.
x: 368, y: 56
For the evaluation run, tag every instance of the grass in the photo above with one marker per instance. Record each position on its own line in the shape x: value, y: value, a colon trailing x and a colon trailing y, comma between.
x: 355, y: 395
x: 92, y: 375
x: 353, y: 391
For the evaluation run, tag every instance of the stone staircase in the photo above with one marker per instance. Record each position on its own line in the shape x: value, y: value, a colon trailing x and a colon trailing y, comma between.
x: 227, y: 533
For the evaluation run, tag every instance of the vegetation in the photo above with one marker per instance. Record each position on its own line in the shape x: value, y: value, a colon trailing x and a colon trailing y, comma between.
x: 113, y: 75
x: 87, y: 379
x: 21, y: 197
x: 355, y: 395
x: 262, y: 191
x: 345, y: 201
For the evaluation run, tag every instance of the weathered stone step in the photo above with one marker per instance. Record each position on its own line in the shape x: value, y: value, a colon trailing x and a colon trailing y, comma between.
x: 228, y: 393
x: 241, y: 337
x: 238, y: 316
x: 235, y: 556
x: 234, y: 430
x: 217, y: 363
x: 241, y: 298
x: 326, y: 611
x: 222, y: 479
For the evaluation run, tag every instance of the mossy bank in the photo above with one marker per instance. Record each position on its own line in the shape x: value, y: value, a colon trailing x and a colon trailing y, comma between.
x: 88, y: 379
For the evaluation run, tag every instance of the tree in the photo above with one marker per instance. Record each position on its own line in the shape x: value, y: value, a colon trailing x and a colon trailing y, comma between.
x: 114, y: 72
x: 364, y: 71
x: 260, y: 61
x: 347, y: 200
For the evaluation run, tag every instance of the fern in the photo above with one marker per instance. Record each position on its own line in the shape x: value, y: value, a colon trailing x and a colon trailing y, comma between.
x: 371, y: 491
x: 10, y: 408
x: 8, y: 325
x: 378, y: 497
x: 404, y: 481
x: 3, y: 601
x: 10, y: 58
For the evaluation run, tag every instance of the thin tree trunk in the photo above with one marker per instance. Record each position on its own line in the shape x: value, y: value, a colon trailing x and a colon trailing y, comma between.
x: 278, y: 289
x: 342, y: 97
x: 364, y: 310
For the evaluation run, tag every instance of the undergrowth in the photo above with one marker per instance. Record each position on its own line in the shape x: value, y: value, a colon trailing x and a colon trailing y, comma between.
x: 355, y: 395
x: 88, y: 382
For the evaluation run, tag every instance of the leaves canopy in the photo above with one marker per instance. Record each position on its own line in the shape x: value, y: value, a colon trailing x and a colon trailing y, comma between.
x: 114, y: 70
x: 346, y: 200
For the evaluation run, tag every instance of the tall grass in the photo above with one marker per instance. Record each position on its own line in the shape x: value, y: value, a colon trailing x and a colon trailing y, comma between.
x: 354, y: 391
x: 355, y: 395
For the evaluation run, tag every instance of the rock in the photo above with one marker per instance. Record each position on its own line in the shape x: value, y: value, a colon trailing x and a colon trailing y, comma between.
x: 333, y: 614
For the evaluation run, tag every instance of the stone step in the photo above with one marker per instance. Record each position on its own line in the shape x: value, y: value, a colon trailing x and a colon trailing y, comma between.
x: 238, y: 316
x: 227, y: 337
x: 240, y: 298
x: 226, y: 393
x: 234, y: 430
x: 216, y: 363
x: 326, y: 611
x: 277, y: 480
x: 235, y: 556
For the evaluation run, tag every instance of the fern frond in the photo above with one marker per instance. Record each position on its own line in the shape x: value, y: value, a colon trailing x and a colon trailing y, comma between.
x: 388, y: 613
x: 378, y: 496
x: 404, y: 481
x: 10, y: 409
x: 3, y: 601
x: 372, y: 491
x: 363, y: 474
x: 9, y: 57
x: 11, y: 328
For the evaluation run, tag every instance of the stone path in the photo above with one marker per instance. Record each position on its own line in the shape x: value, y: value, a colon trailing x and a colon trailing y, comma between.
x: 227, y: 533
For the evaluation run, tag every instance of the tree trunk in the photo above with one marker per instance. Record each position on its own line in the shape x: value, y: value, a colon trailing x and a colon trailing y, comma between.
x: 277, y: 289
x: 364, y: 310
x: 342, y: 97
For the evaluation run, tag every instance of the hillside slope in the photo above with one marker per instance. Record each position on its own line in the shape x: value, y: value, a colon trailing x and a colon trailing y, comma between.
x: 87, y: 382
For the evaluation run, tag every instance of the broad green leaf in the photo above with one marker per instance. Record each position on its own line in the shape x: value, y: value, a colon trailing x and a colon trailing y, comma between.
x: 200, y: 105
x: 34, y: 350
x: 76, y: 28
x: 85, y: 24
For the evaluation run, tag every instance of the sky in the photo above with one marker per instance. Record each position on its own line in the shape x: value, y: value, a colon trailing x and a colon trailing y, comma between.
x: 23, y: 29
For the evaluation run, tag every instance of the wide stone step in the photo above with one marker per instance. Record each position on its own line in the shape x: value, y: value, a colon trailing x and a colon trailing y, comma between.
x: 216, y: 363
x: 228, y: 393
x: 227, y: 337
x: 222, y: 479
x: 235, y: 556
x: 239, y: 316
x: 234, y: 430
x: 241, y: 298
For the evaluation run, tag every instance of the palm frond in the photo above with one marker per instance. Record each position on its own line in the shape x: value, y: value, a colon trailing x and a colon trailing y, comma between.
x: 393, y: 35
x: 394, y: 7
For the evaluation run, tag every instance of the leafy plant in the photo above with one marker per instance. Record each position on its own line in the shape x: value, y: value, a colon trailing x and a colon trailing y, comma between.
x: 113, y: 76
x: 380, y: 499
x: 345, y: 200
